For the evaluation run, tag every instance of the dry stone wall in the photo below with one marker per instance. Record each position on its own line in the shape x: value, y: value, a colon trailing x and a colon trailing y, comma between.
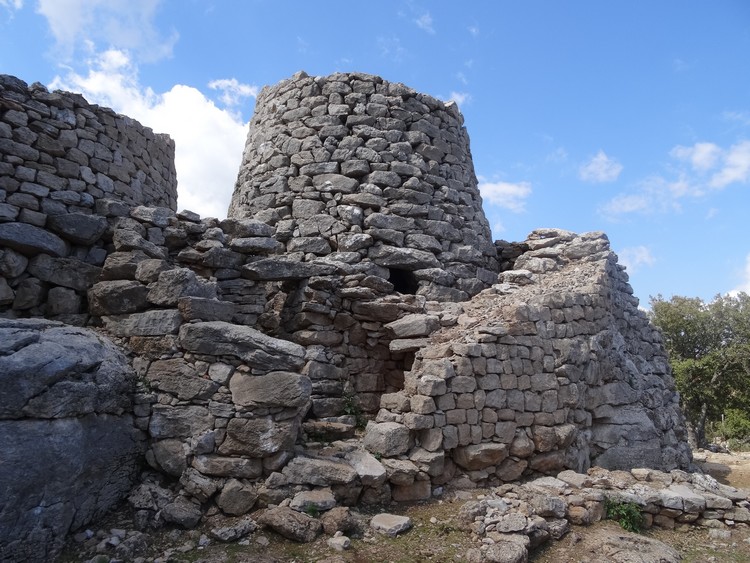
x: 64, y: 164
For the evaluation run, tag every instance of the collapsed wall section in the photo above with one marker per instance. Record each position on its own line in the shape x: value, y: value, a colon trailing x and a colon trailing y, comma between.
x: 553, y: 368
x: 357, y: 169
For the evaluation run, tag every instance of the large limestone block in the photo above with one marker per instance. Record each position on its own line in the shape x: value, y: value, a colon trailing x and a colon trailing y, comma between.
x: 179, y: 282
x: 117, y: 297
x: 388, y: 439
x: 51, y: 370
x: 479, y: 456
x: 413, y: 325
x: 179, y: 378
x: 58, y: 475
x: 320, y: 472
x: 291, y: 524
x: 149, y: 323
x: 276, y: 389
x: 66, y: 272
x: 258, y: 437
x: 78, y: 228
x: 404, y: 258
x: 70, y: 449
x: 258, y: 350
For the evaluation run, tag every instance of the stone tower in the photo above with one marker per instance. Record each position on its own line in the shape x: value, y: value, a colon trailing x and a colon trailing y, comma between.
x: 371, y: 173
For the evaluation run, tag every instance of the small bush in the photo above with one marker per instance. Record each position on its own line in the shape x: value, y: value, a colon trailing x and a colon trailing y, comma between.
x: 627, y: 514
x: 736, y: 425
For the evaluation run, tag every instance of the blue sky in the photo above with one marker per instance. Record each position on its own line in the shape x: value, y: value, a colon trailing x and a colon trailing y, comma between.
x: 630, y: 117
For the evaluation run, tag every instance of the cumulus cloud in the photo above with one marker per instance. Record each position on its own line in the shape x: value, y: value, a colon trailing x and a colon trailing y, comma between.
x: 121, y: 24
x: 425, y: 22
x: 209, y: 140
x: 459, y: 97
x: 507, y: 195
x: 701, y: 156
x: 600, y: 168
x: 635, y: 257
x: 735, y: 166
x: 233, y: 92
x: 700, y: 169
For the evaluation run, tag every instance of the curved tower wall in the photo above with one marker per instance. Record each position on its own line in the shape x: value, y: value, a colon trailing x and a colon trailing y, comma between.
x: 368, y: 170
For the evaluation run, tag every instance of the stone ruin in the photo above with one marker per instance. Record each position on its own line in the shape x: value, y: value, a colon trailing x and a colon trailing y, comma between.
x: 354, y: 282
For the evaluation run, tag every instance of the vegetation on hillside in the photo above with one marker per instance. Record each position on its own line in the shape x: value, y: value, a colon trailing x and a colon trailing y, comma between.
x: 709, y: 350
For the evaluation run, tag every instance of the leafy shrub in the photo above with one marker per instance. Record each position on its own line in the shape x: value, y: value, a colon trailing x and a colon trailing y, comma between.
x: 627, y: 514
x: 736, y: 425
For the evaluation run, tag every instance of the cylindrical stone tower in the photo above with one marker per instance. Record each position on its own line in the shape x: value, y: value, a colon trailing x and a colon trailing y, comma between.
x: 358, y: 169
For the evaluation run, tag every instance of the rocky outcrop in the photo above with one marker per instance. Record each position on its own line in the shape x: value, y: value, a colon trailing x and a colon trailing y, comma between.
x: 70, y: 448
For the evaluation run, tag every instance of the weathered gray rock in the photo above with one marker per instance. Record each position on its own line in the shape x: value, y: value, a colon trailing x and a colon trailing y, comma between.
x: 414, y: 325
x: 237, y: 498
x: 12, y: 263
x: 235, y: 532
x: 182, y: 512
x: 176, y: 283
x: 370, y: 471
x: 66, y: 272
x: 317, y: 500
x: 254, y: 347
x: 30, y: 240
x: 51, y: 370
x: 291, y: 524
x: 406, y: 258
x: 149, y: 323
x: 479, y: 456
x: 390, y: 524
x: 70, y: 448
x: 117, y: 297
x: 219, y: 466
x: 78, y: 228
x: 259, y: 437
x: 283, y: 269
x: 276, y: 389
x: 179, y: 378
x: 203, y: 309
x: 320, y: 472
x: 387, y: 439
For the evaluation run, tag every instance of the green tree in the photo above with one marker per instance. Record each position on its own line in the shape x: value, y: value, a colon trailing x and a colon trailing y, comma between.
x: 709, y: 349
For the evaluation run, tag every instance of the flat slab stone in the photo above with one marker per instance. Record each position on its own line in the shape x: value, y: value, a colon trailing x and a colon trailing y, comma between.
x: 30, y: 240
x: 390, y: 524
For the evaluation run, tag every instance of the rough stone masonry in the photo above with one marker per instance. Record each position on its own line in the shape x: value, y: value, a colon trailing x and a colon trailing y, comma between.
x: 354, y: 277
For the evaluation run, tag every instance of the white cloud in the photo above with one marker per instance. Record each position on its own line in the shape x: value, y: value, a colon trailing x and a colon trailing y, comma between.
x: 626, y: 203
x: 209, y: 140
x: 744, y: 285
x: 600, y: 168
x: 474, y: 30
x: 702, y: 156
x: 506, y: 194
x: 425, y: 22
x: 462, y: 78
x: 120, y: 24
x: 232, y: 91
x: 460, y: 97
x: 735, y: 166
x: 634, y: 257
x: 11, y: 5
